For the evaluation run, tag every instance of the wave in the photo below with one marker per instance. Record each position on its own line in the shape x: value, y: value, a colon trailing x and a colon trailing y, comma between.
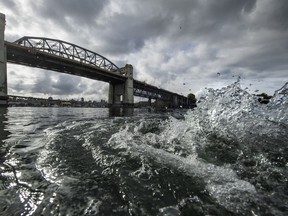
x: 227, y: 156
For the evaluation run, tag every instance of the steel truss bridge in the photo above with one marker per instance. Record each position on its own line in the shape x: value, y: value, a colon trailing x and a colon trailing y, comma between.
x: 64, y: 57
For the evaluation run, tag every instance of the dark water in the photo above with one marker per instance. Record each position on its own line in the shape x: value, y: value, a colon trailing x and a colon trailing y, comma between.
x: 229, y: 156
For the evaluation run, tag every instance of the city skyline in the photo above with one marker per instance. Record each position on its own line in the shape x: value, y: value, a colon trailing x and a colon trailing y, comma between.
x: 183, y: 47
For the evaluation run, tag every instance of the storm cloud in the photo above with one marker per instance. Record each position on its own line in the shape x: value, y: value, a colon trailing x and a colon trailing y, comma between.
x: 169, y: 43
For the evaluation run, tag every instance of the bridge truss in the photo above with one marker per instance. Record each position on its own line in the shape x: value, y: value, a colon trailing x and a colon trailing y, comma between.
x: 65, y: 57
x: 69, y: 51
x: 142, y: 89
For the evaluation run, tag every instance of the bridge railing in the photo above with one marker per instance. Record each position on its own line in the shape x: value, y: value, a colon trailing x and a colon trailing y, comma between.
x: 69, y: 51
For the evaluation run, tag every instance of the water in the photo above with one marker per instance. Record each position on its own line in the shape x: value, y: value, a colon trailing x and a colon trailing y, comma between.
x: 229, y: 156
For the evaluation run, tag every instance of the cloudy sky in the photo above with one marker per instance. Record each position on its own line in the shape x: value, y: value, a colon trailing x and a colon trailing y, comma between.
x: 182, y: 46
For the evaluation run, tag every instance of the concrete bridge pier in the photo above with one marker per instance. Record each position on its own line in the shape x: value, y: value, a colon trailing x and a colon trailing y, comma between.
x: 183, y: 102
x: 121, y: 94
x: 175, y: 102
x: 149, y: 102
x: 3, y: 64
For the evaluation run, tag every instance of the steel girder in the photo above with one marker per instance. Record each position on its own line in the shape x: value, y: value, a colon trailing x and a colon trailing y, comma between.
x: 18, y: 54
x: 69, y: 51
x: 82, y: 56
x: 149, y: 94
x: 143, y: 89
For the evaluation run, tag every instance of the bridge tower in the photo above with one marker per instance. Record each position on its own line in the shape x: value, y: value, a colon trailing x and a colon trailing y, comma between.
x: 122, y: 90
x: 3, y: 64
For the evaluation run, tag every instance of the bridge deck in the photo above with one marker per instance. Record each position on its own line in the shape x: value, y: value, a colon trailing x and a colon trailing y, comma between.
x: 34, y: 58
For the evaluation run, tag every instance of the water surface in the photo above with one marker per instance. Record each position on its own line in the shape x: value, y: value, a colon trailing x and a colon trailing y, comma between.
x: 229, y: 156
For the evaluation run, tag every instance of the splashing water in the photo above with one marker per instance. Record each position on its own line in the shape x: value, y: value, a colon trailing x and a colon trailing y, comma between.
x: 228, y: 156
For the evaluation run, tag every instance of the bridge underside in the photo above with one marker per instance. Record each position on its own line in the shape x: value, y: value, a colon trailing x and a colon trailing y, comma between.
x: 65, y: 57
x: 30, y: 57
x: 121, y: 88
x: 60, y: 56
x: 142, y: 89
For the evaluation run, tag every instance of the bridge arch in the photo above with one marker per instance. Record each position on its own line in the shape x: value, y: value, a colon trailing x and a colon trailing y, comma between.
x: 65, y: 57
x: 68, y: 50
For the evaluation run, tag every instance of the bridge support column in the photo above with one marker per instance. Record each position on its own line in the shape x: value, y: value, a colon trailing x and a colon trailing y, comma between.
x: 122, y: 93
x: 3, y: 64
x: 175, y: 102
x: 149, y: 102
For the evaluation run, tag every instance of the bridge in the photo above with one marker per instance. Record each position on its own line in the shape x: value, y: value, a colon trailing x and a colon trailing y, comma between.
x: 65, y: 57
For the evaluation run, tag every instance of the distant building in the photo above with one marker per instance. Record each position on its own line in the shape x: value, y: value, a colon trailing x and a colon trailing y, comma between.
x: 66, y: 104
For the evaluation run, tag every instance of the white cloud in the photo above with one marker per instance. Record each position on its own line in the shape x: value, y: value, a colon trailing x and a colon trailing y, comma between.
x: 167, y: 42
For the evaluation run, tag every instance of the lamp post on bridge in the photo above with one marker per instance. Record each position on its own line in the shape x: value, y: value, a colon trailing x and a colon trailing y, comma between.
x: 3, y: 64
